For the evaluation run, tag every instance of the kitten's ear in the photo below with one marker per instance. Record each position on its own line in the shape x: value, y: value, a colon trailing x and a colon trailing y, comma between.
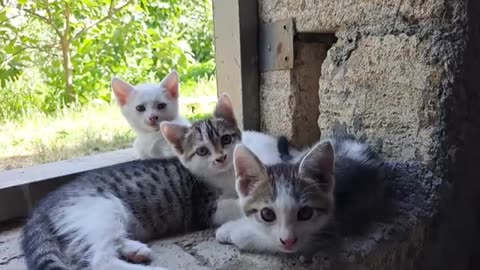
x: 249, y: 170
x: 318, y: 165
x: 171, y: 84
x: 224, y: 109
x: 174, y: 134
x: 122, y: 90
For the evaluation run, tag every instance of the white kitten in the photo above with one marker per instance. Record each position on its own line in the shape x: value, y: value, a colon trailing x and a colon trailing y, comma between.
x: 145, y: 106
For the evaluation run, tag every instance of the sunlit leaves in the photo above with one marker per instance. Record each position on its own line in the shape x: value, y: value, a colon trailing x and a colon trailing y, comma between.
x: 141, y: 42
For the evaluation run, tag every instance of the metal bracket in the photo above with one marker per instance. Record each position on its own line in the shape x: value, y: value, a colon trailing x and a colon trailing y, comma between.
x: 276, y: 45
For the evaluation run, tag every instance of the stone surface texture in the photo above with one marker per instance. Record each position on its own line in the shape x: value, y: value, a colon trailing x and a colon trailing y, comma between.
x: 410, y: 187
x: 328, y: 15
x: 289, y: 98
x: 403, y: 75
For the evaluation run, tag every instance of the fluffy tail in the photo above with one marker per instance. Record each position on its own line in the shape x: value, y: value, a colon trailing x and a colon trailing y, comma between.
x: 41, y: 246
x: 283, y: 146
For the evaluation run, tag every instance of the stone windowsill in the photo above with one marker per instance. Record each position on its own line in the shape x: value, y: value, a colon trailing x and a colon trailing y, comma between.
x: 21, y: 188
x: 414, y: 193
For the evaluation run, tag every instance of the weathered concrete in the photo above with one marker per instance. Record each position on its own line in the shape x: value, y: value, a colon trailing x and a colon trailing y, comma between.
x: 386, y: 244
x: 289, y: 98
x: 404, y: 75
x: 21, y: 188
x: 377, y: 86
x: 329, y: 16
x: 11, y: 257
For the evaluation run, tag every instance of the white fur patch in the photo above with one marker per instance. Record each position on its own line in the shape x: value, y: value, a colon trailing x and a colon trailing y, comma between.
x: 352, y: 149
x: 244, y: 234
x: 153, y: 144
x: 264, y: 146
x: 104, y: 230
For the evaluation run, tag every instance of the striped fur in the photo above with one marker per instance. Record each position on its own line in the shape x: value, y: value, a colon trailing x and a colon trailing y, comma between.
x: 215, y: 166
x: 207, y: 134
x: 99, y: 217
x: 340, y: 180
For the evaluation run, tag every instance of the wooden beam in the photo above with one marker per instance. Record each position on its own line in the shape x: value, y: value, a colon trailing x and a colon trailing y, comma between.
x: 236, y: 52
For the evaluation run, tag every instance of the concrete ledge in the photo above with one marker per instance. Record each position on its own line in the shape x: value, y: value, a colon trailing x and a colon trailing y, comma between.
x: 21, y: 188
x: 414, y: 192
x: 64, y: 168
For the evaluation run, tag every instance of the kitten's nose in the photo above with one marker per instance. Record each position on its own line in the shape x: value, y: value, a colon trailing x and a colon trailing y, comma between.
x: 153, y: 118
x: 289, y: 242
x: 221, y: 159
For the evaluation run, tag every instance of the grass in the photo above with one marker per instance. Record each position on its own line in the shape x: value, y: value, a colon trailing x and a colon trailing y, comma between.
x: 77, y: 132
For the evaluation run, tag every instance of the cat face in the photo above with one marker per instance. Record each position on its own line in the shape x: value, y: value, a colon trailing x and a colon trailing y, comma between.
x: 146, y: 105
x: 206, y: 148
x: 288, y: 204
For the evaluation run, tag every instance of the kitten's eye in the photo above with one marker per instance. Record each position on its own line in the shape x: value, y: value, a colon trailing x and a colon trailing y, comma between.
x: 140, y: 108
x: 161, y: 106
x: 226, y: 139
x: 268, y: 215
x: 305, y: 213
x: 202, y: 151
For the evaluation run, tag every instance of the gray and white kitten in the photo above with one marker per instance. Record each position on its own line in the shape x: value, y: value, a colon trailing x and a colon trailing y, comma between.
x: 210, y: 144
x: 145, y: 106
x: 337, y: 186
x: 102, y: 219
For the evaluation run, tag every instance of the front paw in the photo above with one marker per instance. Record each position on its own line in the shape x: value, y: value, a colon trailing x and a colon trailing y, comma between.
x: 223, y: 234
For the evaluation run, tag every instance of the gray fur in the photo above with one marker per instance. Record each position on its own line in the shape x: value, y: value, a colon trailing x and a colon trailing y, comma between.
x: 359, y: 184
x: 161, y: 195
x: 340, y: 178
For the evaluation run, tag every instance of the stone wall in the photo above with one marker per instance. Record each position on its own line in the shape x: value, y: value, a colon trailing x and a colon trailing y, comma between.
x: 289, y: 99
x: 404, y: 75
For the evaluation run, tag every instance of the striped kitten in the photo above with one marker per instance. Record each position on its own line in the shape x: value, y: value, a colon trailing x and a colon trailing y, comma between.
x: 206, y: 147
x: 210, y: 144
x: 99, y: 220
x: 337, y: 185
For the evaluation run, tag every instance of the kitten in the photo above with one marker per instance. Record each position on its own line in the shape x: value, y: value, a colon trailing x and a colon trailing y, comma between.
x: 289, y: 208
x: 210, y: 144
x: 145, y: 106
x: 206, y: 147
x: 100, y: 219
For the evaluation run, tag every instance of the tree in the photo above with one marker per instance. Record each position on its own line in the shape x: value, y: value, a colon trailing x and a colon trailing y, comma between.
x: 69, y: 20
x: 77, y: 46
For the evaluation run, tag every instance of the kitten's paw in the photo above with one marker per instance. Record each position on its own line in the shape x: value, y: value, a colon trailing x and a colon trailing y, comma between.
x: 136, y: 252
x: 223, y: 234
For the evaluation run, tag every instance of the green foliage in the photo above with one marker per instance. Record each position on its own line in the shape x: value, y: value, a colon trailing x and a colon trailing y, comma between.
x: 74, y: 132
x: 138, y: 40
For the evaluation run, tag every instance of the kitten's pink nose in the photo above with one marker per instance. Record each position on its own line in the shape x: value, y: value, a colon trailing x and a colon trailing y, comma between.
x: 153, y: 118
x: 221, y: 159
x: 289, y: 242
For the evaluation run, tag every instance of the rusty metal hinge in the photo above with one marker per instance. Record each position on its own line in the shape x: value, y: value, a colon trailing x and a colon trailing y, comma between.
x: 276, y: 50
